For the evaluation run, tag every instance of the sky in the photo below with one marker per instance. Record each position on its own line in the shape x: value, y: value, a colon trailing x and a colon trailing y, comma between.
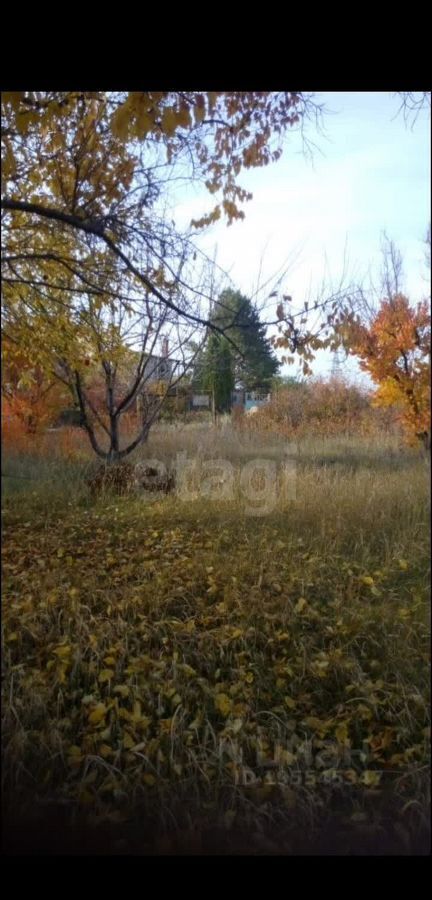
x: 369, y: 172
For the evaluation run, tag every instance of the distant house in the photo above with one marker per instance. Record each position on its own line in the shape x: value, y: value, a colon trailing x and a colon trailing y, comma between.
x: 158, y: 368
x: 158, y: 373
x: 239, y: 398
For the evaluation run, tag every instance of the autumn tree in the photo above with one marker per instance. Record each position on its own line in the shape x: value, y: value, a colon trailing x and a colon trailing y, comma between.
x: 99, y: 164
x: 117, y: 358
x: 86, y: 236
x: 30, y: 395
x: 391, y: 338
x: 394, y: 349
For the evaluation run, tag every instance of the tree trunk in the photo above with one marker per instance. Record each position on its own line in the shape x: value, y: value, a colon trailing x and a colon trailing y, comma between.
x: 114, y: 451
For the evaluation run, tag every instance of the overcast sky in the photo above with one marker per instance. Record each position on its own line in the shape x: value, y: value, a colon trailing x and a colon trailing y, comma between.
x: 370, y: 172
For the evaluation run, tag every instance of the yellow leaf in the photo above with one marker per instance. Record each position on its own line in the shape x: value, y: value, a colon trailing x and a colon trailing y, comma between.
x: 13, y: 97
x: 236, y: 726
x: 74, y: 750
x: 223, y: 704
x: 63, y: 651
x: 98, y: 714
x: 403, y: 564
x: 290, y: 703
x: 237, y: 633
x: 314, y: 722
x: 397, y: 759
x: 58, y: 141
x: 367, y: 579
x: 300, y: 605
x: 341, y: 733
x: 128, y: 741
x: 22, y: 122
x: 287, y: 758
x: 105, y: 675
x: 370, y: 778
x: 184, y: 117
x: 122, y: 689
x: 109, y: 660
x: 120, y: 122
x: 187, y: 670
x: 138, y: 747
x: 169, y: 121
x: 144, y: 124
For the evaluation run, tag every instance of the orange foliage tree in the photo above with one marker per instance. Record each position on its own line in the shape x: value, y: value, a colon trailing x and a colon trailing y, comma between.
x: 394, y: 349
x: 29, y: 395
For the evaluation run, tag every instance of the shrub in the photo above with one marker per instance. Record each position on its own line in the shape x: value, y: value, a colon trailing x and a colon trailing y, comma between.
x: 322, y: 407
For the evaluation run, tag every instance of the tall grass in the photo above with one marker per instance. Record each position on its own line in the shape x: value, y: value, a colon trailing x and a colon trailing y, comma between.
x: 205, y: 637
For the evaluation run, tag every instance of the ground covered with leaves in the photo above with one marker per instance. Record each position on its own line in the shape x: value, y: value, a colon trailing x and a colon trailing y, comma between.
x: 192, y: 679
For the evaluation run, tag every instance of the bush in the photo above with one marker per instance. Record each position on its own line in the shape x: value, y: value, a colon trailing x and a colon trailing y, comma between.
x: 322, y: 407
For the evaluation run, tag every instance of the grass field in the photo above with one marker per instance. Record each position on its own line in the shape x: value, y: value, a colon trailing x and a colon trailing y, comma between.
x: 184, y: 675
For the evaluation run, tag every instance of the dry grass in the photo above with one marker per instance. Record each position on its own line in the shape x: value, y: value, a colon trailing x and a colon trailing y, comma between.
x: 182, y: 676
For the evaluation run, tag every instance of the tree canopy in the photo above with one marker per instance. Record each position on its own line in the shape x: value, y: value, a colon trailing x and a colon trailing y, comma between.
x: 394, y: 349
x: 244, y: 358
x: 92, y: 263
x: 254, y: 362
x: 87, y: 174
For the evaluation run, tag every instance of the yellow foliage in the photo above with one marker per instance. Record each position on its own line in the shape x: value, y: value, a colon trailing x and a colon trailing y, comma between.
x: 223, y: 704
